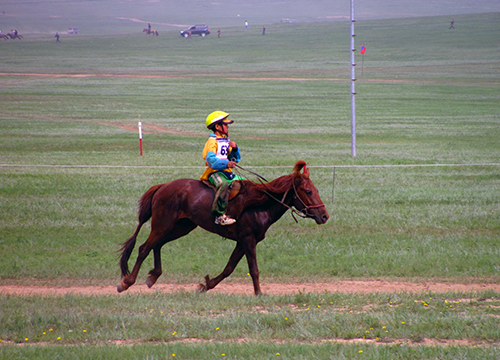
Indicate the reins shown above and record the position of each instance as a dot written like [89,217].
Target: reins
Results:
[251,172]
[301,213]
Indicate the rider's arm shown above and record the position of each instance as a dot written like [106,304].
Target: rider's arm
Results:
[214,162]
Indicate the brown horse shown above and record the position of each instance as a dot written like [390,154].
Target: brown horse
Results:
[149,32]
[178,207]
[5,37]
[13,36]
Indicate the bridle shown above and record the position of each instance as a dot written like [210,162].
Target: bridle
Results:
[304,213]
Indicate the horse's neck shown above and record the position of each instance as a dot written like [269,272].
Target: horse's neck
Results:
[270,197]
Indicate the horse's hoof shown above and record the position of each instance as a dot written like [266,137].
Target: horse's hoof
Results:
[202,288]
[121,288]
[150,282]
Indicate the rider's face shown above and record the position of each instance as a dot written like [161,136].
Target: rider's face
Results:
[222,128]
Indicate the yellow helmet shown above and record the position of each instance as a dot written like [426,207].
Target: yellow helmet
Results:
[217,116]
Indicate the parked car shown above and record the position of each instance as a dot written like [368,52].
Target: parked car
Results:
[73,31]
[201,30]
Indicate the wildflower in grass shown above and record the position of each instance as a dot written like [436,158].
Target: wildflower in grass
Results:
[173,355]
[84,330]
[217,329]
[277,354]
[59,338]
[175,332]
[360,351]
[26,339]
[51,329]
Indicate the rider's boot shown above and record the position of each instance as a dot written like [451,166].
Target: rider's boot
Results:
[224,220]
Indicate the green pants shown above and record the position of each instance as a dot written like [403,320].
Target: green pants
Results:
[221,182]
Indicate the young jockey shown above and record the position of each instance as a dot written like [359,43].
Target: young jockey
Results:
[220,155]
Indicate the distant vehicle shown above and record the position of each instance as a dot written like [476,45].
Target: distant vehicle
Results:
[73,31]
[201,30]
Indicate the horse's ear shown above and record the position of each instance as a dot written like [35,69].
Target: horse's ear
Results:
[301,165]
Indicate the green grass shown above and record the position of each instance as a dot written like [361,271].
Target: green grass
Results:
[427,96]
[250,350]
[271,324]
[385,223]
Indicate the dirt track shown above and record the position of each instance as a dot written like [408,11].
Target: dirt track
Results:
[268,288]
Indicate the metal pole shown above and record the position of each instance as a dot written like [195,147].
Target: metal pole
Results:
[353,92]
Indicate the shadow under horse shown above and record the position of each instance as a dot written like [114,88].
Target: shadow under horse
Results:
[178,207]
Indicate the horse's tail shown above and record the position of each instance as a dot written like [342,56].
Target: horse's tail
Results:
[145,213]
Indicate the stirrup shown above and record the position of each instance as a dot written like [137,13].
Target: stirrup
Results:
[224,220]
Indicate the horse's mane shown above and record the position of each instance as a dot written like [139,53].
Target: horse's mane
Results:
[257,194]
[284,183]
[278,185]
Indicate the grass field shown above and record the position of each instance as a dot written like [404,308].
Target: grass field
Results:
[71,175]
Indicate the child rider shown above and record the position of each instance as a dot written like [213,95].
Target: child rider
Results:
[220,155]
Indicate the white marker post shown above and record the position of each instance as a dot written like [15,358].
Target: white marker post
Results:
[353,91]
[140,136]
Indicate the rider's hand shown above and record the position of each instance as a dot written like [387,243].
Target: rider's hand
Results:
[231,164]
[233,144]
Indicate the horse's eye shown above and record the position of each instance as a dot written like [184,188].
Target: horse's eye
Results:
[308,192]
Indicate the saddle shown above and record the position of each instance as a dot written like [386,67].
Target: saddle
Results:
[234,188]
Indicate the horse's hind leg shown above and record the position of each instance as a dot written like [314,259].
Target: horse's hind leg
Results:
[181,228]
[235,258]
[144,250]
[157,271]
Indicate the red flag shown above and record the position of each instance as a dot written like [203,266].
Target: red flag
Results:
[362,49]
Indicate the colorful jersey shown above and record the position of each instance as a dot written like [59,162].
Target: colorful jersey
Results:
[217,153]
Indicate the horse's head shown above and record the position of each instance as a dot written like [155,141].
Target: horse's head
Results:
[306,198]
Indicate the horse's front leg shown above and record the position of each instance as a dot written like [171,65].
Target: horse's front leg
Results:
[235,258]
[251,254]
[157,271]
